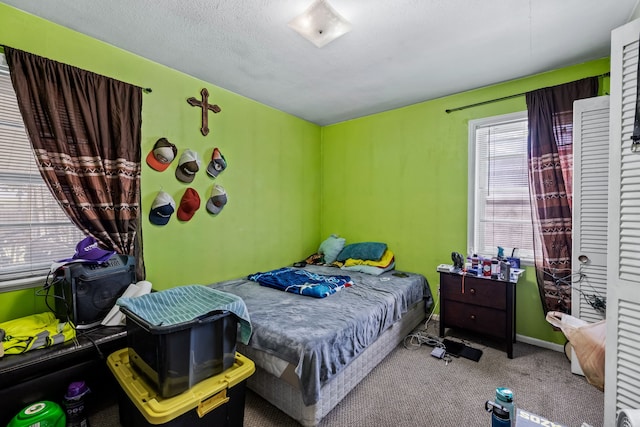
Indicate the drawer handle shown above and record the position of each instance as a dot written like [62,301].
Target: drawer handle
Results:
[472,317]
[473,291]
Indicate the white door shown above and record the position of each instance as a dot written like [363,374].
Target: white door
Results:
[622,365]
[590,193]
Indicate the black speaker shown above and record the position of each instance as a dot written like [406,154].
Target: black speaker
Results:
[85,292]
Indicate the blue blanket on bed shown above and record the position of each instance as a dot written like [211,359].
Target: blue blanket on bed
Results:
[302,282]
[321,336]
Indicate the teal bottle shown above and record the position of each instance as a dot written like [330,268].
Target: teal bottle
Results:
[504,397]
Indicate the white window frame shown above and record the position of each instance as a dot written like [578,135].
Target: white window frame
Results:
[31,273]
[473,221]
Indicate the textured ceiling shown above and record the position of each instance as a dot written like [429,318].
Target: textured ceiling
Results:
[398,53]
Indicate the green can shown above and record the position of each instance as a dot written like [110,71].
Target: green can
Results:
[42,414]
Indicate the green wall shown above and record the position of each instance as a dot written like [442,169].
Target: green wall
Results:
[398,177]
[272,179]
[401,177]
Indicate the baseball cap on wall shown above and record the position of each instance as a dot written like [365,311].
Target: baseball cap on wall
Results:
[217,200]
[188,166]
[189,204]
[162,154]
[162,208]
[217,164]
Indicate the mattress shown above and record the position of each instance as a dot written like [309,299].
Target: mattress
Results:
[304,347]
[287,397]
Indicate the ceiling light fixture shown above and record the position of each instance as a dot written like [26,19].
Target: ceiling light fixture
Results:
[320,24]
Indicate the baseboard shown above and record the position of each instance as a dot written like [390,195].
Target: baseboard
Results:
[540,343]
[523,338]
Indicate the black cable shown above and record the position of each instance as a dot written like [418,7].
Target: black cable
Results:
[95,344]
[46,288]
[595,300]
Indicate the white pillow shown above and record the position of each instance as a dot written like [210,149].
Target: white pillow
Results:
[331,247]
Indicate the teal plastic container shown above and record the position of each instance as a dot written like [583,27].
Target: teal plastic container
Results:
[43,414]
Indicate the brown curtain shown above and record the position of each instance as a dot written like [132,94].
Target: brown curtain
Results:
[85,132]
[550,112]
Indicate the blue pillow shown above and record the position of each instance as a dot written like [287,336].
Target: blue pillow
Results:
[331,247]
[372,251]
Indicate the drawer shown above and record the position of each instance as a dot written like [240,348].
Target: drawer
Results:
[483,292]
[475,318]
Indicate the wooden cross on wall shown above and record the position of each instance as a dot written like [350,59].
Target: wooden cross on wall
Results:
[204,104]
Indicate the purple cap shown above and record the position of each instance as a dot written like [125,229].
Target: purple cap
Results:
[76,390]
[87,250]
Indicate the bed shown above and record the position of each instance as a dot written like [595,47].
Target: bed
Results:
[310,352]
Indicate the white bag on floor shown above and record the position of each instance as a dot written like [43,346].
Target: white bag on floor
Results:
[587,340]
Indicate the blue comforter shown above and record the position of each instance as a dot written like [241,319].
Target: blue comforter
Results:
[302,282]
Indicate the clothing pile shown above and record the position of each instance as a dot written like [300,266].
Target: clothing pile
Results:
[368,257]
[302,282]
[33,332]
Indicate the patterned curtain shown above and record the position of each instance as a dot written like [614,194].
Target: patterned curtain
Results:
[85,132]
[550,112]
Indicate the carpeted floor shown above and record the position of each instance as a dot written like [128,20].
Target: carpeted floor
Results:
[412,388]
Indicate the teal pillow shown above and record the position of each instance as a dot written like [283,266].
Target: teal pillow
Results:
[371,251]
[331,247]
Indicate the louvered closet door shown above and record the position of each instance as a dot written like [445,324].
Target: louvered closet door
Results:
[590,193]
[622,373]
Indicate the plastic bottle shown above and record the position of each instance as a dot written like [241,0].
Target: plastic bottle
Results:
[486,267]
[504,397]
[495,268]
[74,405]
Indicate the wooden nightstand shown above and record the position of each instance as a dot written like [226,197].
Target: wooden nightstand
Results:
[478,304]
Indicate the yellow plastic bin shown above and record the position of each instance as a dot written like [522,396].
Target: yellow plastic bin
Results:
[217,400]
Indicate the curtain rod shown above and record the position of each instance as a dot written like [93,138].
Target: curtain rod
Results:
[477,104]
[5,68]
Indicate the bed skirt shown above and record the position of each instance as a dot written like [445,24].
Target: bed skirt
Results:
[288,398]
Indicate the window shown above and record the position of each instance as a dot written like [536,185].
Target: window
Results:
[499,204]
[34,230]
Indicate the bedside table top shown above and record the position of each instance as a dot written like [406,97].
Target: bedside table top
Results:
[515,274]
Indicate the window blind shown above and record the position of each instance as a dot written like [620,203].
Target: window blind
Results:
[500,188]
[34,230]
